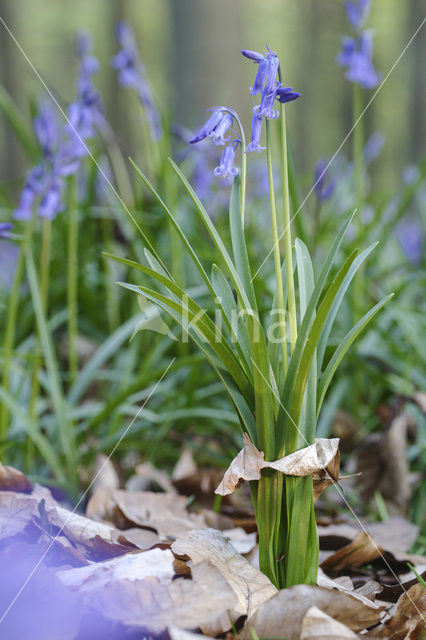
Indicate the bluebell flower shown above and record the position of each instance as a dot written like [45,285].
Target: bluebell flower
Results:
[286,94]
[5,227]
[46,128]
[51,203]
[226,167]
[322,186]
[356,55]
[411,238]
[131,73]
[216,126]
[357,12]
[373,147]
[256,130]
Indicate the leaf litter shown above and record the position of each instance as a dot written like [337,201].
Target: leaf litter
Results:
[143,563]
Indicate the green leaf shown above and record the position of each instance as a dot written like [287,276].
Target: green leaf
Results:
[239,246]
[343,347]
[322,344]
[232,272]
[18,125]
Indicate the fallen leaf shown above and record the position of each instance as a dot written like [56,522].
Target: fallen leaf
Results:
[317,625]
[156,564]
[250,586]
[185,466]
[97,537]
[241,541]
[360,551]
[409,619]
[180,634]
[249,462]
[105,475]
[164,512]
[13,480]
[16,513]
[282,615]
[365,594]
[148,478]
[150,605]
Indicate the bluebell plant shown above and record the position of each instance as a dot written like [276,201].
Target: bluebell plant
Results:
[274,372]
[132,74]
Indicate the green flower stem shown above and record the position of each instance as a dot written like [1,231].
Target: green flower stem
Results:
[287,233]
[359,174]
[277,256]
[111,291]
[46,243]
[9,338]
[72,293]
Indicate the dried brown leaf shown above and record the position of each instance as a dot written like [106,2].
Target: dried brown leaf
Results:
[16,513]
[156,564]
[148,478]
[152,605]
[282,615]
[164,512]
[95,536]
[250,586]
[317,625]
[409,619]
[249,462]
[13,480]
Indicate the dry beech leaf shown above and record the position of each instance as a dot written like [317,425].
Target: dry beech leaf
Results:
[147,477]
[250,461]
[185,466]
[149,605]
[16,512]
[95,536]
[250,586]
[164,512]
[365,594]
[409,619]
[241,541]
[180,634]
[360,551]
[155,564]
[317,625]
[105,475]
[282,615]
[13,480]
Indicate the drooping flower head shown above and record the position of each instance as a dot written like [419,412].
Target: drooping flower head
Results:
[410,235]
[131,73]
[357,12]
[226,167]
[356,57]
[270,89]
[216,127]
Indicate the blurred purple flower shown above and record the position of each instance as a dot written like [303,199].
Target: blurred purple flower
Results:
[411,238]
[323,188]
[356,56]
[5,227]
[131,73]
[46,128]
[357,12]
[373,147]
[226,168]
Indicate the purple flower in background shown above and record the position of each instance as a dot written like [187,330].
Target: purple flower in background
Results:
[131,73]
[256,130]
[373,147]
[5,227]
[86,113]
[323,188]
[46,128]
[226,167]
[356,56]
[357,12]
[411,238]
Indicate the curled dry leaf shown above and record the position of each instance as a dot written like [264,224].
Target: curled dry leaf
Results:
[365,594]
[16,513]
[155,564]
[409,619]
[314,459]
[13,480]
[94,536]
[166,513]
[148,478]
[317,625]
[105,475]
[282,615]
[241,541]
[250,586]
